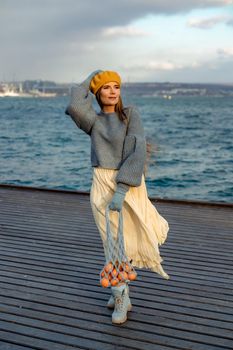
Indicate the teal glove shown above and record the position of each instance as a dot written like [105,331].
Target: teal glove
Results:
[118,197]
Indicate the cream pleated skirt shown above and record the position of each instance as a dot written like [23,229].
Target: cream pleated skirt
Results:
[144,228]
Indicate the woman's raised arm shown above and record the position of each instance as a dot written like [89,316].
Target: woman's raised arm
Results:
[80,107]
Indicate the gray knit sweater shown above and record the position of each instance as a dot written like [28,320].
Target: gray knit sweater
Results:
[114,145]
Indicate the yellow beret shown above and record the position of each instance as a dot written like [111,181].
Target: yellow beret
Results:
[103,78]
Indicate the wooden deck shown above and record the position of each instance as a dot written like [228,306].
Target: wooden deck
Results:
[50,296]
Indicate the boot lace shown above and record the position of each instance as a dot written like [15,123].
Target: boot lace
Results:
[119,303]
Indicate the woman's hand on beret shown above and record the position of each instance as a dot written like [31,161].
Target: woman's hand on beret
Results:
[87,81]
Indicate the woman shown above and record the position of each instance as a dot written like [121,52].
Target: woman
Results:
[118,158]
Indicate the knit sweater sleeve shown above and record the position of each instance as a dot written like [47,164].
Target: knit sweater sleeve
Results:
[134,153]
[80,107]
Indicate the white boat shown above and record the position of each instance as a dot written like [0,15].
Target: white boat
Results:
[9,93]
[168,97]
[33,93]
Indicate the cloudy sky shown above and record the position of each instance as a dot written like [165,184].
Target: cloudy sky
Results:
[144,40]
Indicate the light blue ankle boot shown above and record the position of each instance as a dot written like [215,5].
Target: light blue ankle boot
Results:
[111,302]
[122,303]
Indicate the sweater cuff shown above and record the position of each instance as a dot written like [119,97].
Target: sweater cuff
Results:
[121,187]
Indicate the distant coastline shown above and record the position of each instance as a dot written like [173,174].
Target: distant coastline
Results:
[43,88]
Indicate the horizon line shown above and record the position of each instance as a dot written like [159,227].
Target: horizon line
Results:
[123,82]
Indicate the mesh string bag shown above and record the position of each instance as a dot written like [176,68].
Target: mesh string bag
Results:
[117,267]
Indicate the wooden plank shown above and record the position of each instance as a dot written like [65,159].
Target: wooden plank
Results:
[29,339]
[40,242]
[134,338]
[36,282]
[66,261]
[56,248]
[8,345]
[164,317]
[57,276]
[145,305]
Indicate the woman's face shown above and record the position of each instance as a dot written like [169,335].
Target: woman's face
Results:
[110,93]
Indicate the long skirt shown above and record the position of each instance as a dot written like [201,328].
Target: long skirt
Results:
[144,229]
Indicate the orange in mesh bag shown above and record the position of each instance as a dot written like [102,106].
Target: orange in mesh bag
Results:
[117,267]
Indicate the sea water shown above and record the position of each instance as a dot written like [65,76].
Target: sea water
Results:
[191,139]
